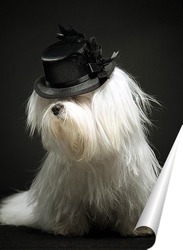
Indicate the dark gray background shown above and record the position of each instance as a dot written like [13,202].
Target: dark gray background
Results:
[149,35]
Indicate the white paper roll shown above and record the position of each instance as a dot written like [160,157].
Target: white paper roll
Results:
[166,197]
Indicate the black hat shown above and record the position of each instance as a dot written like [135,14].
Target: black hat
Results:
[73,66]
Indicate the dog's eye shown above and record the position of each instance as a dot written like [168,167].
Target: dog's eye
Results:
[74,98]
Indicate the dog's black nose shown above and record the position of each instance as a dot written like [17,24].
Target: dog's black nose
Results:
[57,108]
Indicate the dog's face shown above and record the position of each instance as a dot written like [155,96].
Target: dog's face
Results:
[89,125]
[73,125]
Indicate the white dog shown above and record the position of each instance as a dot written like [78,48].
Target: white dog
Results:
[99,168]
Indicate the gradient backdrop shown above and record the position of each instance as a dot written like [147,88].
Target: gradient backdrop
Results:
[149,36]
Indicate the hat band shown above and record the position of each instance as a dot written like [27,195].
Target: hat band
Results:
[67,84]
[103,75]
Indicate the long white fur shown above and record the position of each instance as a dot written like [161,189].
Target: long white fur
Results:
[99,166]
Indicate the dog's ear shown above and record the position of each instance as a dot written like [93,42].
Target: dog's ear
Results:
[34,110]
[32,113]
[120,108]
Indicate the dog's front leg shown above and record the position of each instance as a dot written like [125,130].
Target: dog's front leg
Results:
[76,226]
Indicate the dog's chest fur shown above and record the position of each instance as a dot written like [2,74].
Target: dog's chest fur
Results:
[92,187]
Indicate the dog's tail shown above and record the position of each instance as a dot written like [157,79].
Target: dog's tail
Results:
[17,210]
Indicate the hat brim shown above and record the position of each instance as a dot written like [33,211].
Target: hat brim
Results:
[87,86]
[52,93]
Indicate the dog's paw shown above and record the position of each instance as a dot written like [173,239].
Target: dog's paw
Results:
[71,230]
[130,232]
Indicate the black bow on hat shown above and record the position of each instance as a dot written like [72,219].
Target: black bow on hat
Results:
[73,66]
